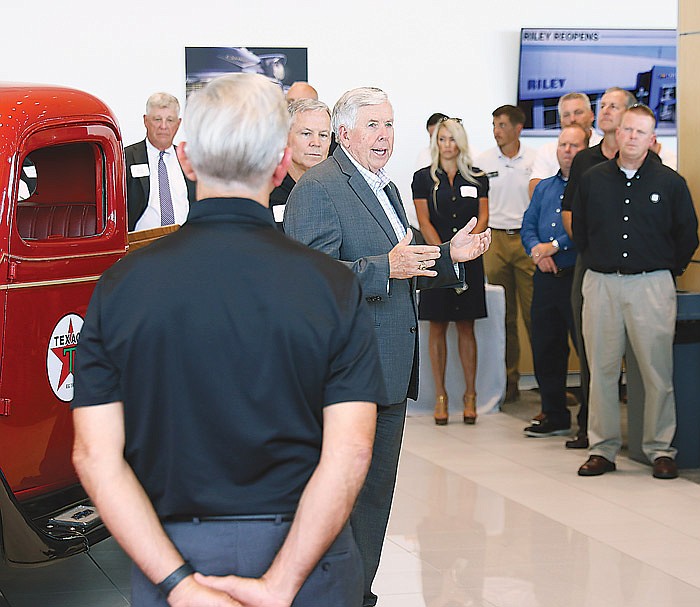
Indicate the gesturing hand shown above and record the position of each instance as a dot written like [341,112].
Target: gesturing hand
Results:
[466,246]
[407,260]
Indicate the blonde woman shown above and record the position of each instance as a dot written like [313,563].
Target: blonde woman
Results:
[447,194]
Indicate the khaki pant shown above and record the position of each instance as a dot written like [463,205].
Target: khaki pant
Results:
[641,307]
[507,264]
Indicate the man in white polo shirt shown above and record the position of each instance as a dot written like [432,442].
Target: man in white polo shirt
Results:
[508,167]
[573,108]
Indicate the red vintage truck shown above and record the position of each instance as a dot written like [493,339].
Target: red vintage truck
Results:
[62,223]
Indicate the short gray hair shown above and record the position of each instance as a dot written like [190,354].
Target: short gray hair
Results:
[573,97]
[237,128]
[630,99]
[346,108]
[307,105]
[159,101]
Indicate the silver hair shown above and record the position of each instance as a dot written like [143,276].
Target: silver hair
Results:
[307,105]
[346,108]
[237,128]
[573,96]
[630,99]
[158,101]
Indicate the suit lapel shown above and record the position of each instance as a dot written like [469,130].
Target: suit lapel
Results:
[358,184]
[141,157]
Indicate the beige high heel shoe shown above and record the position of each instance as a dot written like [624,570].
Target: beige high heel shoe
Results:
[441,413]
[469,409]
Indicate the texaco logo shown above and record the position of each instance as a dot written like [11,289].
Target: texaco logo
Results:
[60,355]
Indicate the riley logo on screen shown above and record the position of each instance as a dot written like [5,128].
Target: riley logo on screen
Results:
[60,355]
[546,84]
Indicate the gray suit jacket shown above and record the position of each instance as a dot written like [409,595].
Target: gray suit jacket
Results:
[332,209]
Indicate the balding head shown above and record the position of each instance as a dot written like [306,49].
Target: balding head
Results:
[301,90]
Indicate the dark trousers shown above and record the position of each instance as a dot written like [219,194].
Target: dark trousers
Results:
[370,516]
[552,323]
[247,548]
[577,306]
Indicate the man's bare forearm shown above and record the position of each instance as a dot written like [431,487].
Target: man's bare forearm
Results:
[328,497]
[125,507]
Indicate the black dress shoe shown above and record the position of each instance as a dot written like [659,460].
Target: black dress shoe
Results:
[580,442]
[596,465]
[665,467]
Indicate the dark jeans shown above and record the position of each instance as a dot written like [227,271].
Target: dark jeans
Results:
[370,516]
[552,322]
[247,548]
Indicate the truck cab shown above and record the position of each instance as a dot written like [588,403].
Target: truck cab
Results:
[62,223]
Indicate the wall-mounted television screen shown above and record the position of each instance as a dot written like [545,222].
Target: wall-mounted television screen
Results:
[554,62]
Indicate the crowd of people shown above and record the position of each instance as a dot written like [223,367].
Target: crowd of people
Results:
[256,465]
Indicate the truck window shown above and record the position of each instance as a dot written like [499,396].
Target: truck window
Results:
[69,197]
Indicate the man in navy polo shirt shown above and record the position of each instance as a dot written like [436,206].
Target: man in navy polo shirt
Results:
[225,425]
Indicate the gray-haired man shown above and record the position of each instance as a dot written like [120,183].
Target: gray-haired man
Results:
[348,207]
[223,426]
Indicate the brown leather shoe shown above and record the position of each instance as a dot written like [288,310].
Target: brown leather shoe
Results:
[665,467]
[596,465]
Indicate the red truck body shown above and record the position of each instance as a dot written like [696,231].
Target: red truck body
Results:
[62,223]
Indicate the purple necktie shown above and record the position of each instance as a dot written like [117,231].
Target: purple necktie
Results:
[167,214]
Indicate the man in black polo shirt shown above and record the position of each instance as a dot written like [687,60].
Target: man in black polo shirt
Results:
[239,394]
[634,223]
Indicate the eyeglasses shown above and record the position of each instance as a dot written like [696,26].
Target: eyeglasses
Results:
[457,120]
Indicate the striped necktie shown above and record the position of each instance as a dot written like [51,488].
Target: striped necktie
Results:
[167,213]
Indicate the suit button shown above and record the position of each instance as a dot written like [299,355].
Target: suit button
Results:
[413,329]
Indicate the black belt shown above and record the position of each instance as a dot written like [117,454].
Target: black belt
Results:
[509,231]
[626,271]
[218,518]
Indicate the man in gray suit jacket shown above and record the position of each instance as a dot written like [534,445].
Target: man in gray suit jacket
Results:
[348,208]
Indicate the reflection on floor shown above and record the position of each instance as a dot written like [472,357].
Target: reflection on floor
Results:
[484,517]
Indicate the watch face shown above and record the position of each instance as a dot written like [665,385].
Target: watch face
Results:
[555,243]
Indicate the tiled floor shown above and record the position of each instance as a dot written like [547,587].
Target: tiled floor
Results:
[484,517]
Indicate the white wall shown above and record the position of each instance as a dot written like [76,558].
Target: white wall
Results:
[457,56]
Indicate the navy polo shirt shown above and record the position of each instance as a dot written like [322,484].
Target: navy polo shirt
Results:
[225,341]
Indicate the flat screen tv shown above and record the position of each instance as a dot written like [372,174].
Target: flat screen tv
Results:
[555,61]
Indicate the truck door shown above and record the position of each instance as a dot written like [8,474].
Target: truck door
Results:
[62,237]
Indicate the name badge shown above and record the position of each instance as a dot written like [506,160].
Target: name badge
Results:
[467,191]
[140,170]
[278,212]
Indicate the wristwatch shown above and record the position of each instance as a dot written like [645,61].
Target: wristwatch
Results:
[555,243]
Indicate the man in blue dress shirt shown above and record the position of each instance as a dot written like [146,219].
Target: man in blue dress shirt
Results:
[551,250]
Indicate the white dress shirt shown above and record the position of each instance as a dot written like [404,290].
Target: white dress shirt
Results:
[178,189]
